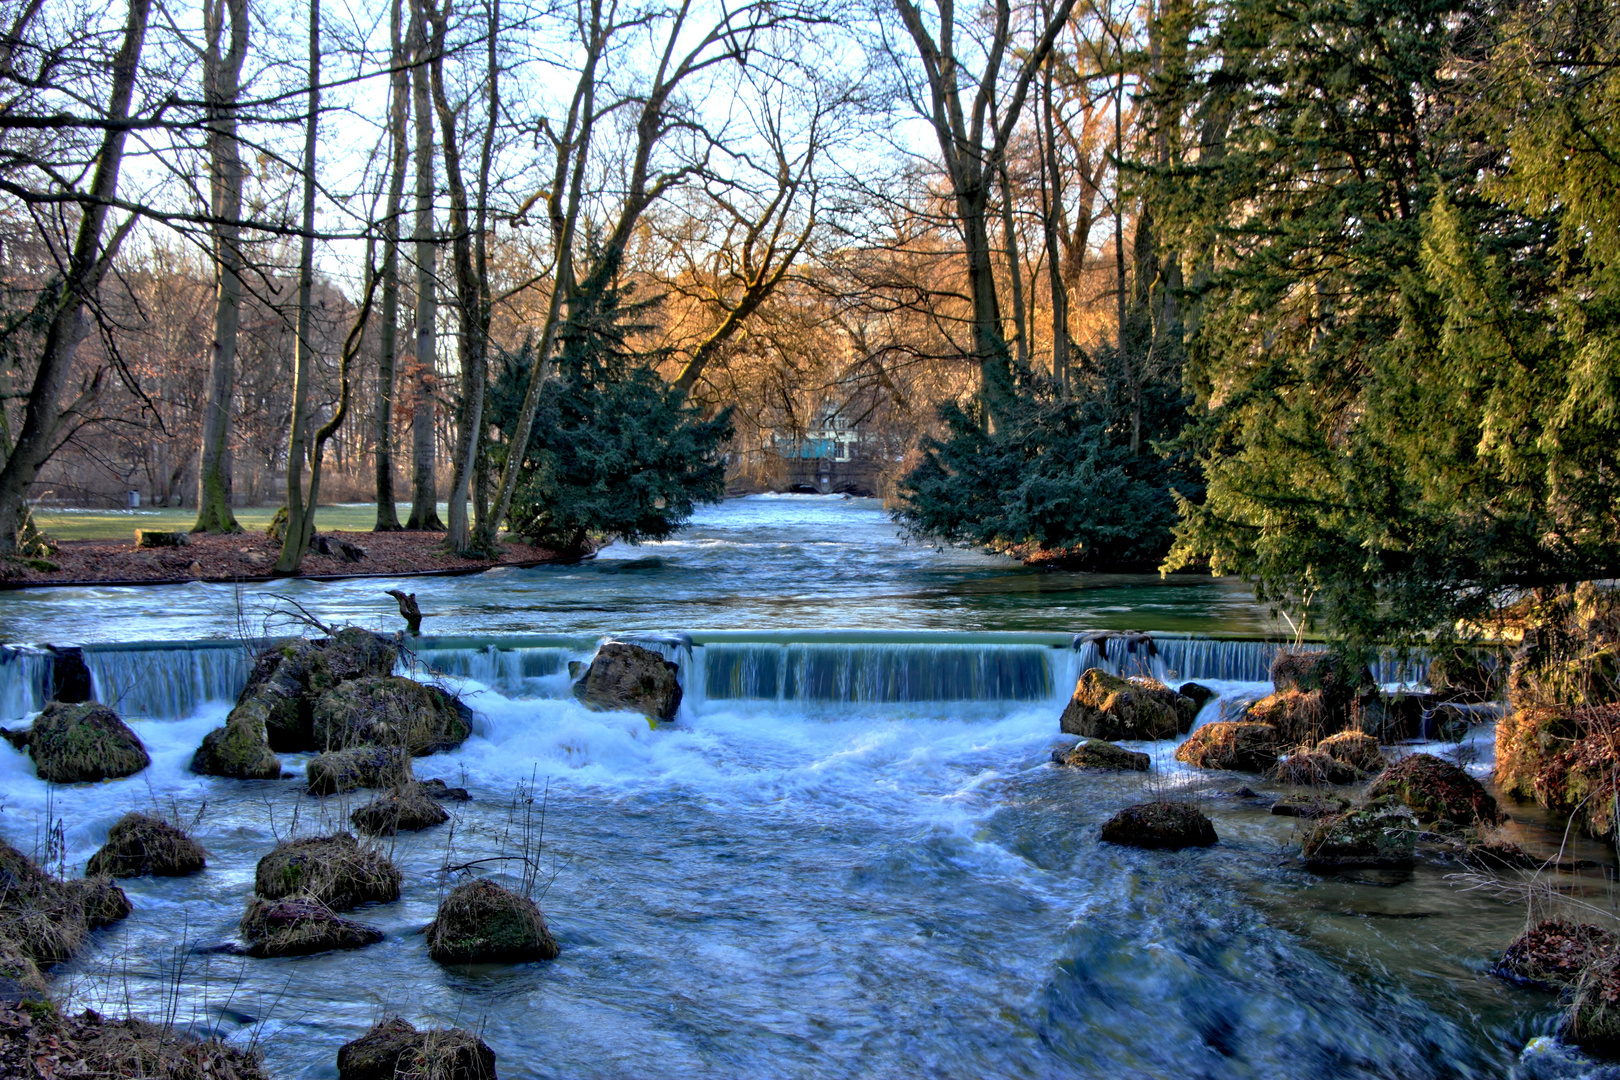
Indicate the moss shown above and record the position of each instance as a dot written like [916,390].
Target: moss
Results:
[395,1050]
[1170,825]
[359,767]
[40,915]
[1300,716]
[1100,754]
[1355,749]
[334,870]
[1592,1020]
[481,922]
[1436,790]
[1379,834]
[1312,768]
[103,902]
[1552,954]
[409,810]
[1105,706]
[300,927]
[139,845]
[1326,671]
[73,744]
[1236,745]
[238,750]
[389,711]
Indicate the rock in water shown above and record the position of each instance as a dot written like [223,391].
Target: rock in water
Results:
[408,810]
[1437,790]
[1169,825]
[1460,675]
[1315,807]
[73,744]
[1551,955]
[20,978]
[1301,716]
[1593,1019]
[239,750]
[336,871]
[394,1050]
[389,711]
[103,902]
[1312,768]
[139,845]
[1100,754]
[1235,745]
[361,767]
[1356,749]
[482,923]
[300,927]
[1197,693]
[1326,671]
[1105,706]
[287,679]
[1383,834]
[629,677]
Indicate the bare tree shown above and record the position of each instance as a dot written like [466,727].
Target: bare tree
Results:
[424,489]
[388,333]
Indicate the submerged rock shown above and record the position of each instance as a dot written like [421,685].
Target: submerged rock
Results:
[1437,790]
[1105,706]
[482,923]
[1237,745]
[629,677]
[337,871]
[394,1050]
[73,744]
[1100,754]
[139,845]
[390,711]
[409,810]
[300,927]
[1382,834]
[359,767]
[1356,749]
[1551,955]
[239,750]
[1169,825]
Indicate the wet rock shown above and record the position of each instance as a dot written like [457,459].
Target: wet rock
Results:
[1356,749]
[629,677]
[406,810]
[239,750]
[438,789]
[1313,807]
[1323,670]
[288,678]
[337,871]
[73,744]
[482,923]
[394,1050]
[1237,745]
[360,767]
[1312,768]
[70,675]
[1437,790]
[1100,754]
[1105,706]
[1197,693]
[102,902]
[1500,854]
[140,845]
[1592,1021]
[300,927]
[1380,834]
[1393,718]
[1551,955]
[1169,825]
[1462,675]
[20,977]
[1301,716]
[389,711]
[1450,723]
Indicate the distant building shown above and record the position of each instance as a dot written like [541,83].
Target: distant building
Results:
[834,454]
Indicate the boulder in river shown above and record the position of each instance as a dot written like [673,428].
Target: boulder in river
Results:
[389,710]
[1394,718]
[335,870]
[1197,693]
[629,677]
[1324,670]
[1163,824]
[1313,768]
[1379,834]
[395,1050]
[1231,744]
[140,845]
[1101,754]
[1593,1019]
[239,750]
[289,677]
[1301,716]
[102,902]
[1552,954]
[1356,749]
[47,919]
[1437,791]
[298,926]
[358,767]
[73,744]
[1105,706]
[481,922]
[410,809]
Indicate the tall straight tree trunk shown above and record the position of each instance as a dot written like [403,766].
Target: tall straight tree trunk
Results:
[388,334]
[86,266]
[483,531]
[1052,213]
[1015,272]
[424,489]
[222,75]
[301,518]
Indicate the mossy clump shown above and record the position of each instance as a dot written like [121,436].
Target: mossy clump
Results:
[1356,749]
[1167,825]
[1101,754]
[39,914]
[1300,716]
[1379,834]
[390,711]
[1105,706]
[1552,954]
[1312,768]
[1326,671]
[1592,1020]
[300,927]
[1437,791]
[1238,745]
[102,902]
[481,922]
[358,767]
[238,750]
[408,810]
[395,1050]
[141,845]
[337,871]
[73,744]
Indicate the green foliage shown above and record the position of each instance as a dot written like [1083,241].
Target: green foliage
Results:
[614,451]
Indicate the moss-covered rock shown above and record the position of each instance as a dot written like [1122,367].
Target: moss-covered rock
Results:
[359,767]
[1436,790]
[300,927]
[1301,716]
[1171,825]
[1592,1020]
[337,871]
[390,711]
[239,750]
[1312,768]
[102,902]
[1105,706]
[629,677]
[1237,745]
[482,923]
[1101,754]
[394,1050]
[140,845]
[1551,955]
[1325,670]
[289,677]
[408,810]
[1356,749]
[73,744]
[39,914]
[1379,834]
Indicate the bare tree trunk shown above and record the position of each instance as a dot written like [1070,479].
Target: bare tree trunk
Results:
[301,518]
[1051,214]
[222,76]
[483,529]
[388,333]
[87,265]
[1015,272]
[424,489]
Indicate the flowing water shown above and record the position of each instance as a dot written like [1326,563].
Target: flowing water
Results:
[849,856]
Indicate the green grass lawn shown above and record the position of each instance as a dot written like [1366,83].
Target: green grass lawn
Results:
[121,524]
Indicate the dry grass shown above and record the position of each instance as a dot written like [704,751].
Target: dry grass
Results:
[408,809]
[300,927]
[395,1050]
[40,1044]
[360,767]
[337,871]
[142,844]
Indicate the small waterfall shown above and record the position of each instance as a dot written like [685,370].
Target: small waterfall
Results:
[166,682]
[512,666]
[25,680]
[873,673]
